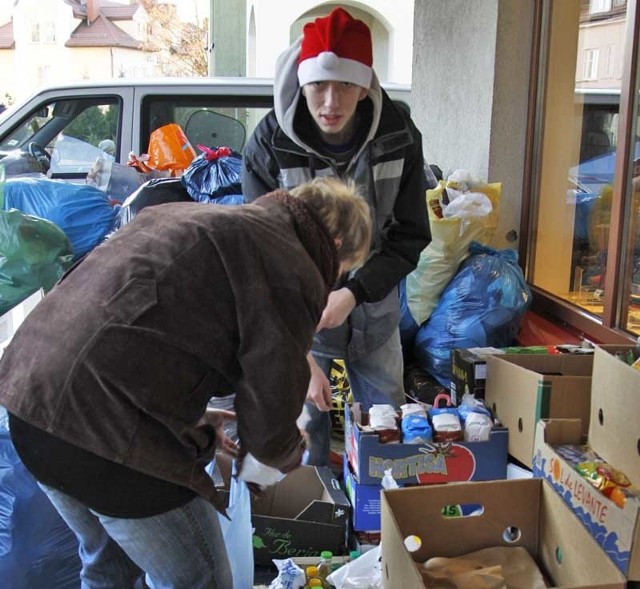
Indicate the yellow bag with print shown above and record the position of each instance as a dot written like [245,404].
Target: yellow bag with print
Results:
[450,239]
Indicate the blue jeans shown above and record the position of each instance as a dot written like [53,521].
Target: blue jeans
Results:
[179,549]
[374,379]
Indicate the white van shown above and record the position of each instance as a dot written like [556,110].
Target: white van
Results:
[64,128]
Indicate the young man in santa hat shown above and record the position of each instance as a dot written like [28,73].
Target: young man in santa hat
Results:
[332,118]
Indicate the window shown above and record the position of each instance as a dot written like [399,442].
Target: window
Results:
[590,71]
[70,131]
[48,32]
[44,74]
[43,31]
[206,120]
[35,32]
[596,6]
[610,62]
[584,252]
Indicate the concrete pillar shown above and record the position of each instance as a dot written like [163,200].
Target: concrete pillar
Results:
[470,93]
[227,33]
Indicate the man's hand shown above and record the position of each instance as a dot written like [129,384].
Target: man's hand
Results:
[319,391]
[217,418]
[341,302]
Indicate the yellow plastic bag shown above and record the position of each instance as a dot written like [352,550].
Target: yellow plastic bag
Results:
[170,149]
[449,247]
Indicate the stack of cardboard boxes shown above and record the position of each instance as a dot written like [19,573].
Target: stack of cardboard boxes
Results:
[578,536]
[366,460]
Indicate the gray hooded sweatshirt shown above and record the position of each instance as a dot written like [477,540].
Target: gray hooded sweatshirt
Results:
[387,165]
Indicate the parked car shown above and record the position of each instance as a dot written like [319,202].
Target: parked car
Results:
[61,127]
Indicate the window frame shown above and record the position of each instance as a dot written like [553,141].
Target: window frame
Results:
[611,327]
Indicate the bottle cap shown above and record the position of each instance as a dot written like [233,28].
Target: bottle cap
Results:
[312,571]
[326,554]
[354,554]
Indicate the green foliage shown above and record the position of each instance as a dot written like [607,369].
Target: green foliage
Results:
[95,124]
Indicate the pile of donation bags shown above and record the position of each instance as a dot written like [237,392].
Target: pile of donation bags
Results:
[463,293]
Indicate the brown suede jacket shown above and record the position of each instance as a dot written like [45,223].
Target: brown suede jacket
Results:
[188,300]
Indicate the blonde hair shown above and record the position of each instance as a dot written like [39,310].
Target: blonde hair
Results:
[344,213]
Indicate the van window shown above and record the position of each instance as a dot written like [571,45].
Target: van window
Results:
[63,137]
[213,121]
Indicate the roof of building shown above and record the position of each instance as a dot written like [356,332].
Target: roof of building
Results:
[112,10]
[101,33]
[6,36]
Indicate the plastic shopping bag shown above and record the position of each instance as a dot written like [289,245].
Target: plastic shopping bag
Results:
[37,548]
[482,306]
[170,149]
[365,572]
[470,219]
[213,174]
[34,254]
[238,532]
[83,212]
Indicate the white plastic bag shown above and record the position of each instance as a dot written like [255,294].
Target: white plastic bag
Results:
[365,572]
[290,575]
[238,533]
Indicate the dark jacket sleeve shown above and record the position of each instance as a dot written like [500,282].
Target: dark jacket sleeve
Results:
[258,178]
[404,236]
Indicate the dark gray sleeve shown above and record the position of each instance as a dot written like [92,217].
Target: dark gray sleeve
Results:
[254,184]
[259,170]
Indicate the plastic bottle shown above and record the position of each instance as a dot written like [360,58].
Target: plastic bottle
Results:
[325,567]
[311,572]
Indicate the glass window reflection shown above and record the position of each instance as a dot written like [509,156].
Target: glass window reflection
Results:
[579,136]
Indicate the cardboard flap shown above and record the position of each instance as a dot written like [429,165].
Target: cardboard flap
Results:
[317,511]
[567,551]
[615,405]
[559,431]
[553,364]
[292,495]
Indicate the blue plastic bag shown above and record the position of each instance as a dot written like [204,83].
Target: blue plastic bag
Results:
[37,548]
[408,325]
[213,174]
[482,306]
[83,212]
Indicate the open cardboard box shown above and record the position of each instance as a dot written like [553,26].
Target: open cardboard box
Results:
[615,437]
[421,463]
[302,515]
[528,510]
[521,389]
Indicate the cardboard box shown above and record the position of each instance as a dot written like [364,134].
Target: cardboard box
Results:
[12,319]
[614,528]
[613,435]
[365,501]
[422,463]
[522,389]
[302,515]
[469,367]
[469,371]
[528,509]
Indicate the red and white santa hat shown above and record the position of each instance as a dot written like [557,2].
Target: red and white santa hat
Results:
[337,48]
